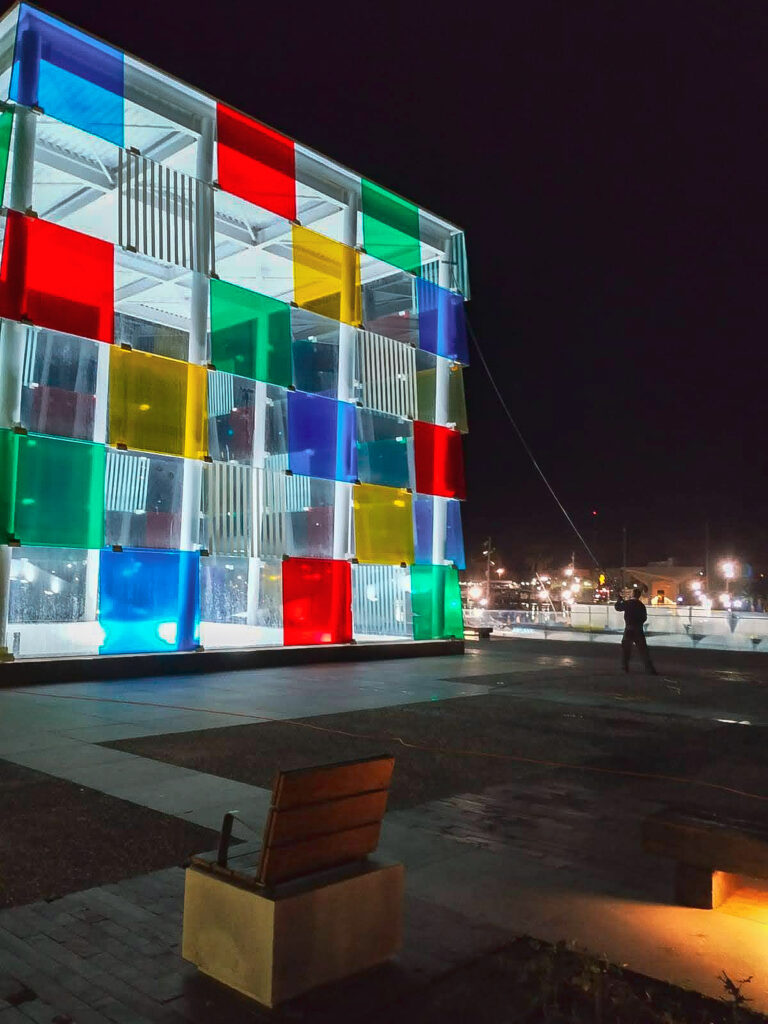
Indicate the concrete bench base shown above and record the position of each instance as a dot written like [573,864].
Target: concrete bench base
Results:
[273,946]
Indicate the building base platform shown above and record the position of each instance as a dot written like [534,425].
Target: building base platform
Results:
[28,671]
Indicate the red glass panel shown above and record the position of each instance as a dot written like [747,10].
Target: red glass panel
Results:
[317,601]
[58,278]
[256,163]
[439,460]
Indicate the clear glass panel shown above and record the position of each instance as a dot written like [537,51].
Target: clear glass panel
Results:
[436,602]
[232,407]
[326,276]
[390,304]
[439,458]
[317,601]
[383,525]
[250,334]
[296,516]
[253,247]
[391,228]
[427,366]
[381,603]
[241,602]
[276,437]
[158,339]
[321,436]
[8,24]
[255,162]
[143,499]
[315,353]
[442,322]
[53,603]
[51,491]
[149,601]
[327,197]
[228,506]
[59,381]
[165,119]
[70,75]
[157,404]
[57,278]
[384,449]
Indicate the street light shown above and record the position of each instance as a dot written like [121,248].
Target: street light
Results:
[500,572]
[728,569]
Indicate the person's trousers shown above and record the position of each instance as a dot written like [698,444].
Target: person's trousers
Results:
[636,637]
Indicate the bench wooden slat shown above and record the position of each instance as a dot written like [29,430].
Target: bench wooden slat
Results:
[282,863]
[305,786]
[305,822]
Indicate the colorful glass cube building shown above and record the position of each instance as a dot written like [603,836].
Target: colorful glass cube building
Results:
[231,394]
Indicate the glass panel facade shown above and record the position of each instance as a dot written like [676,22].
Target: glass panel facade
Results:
[317,601]
[439,458]
[381,603]
[227,363]
[250,334]
[384,449]
[383,525]
[391,228]
[70,75]
[143,500]
[321,434]
[436,602]
[256,162]
[296,516]
[59,382]
[149,601]
[423,521]
[442,322]
[241,602]
[326,276]
[157,404]
[57,278]
[51,491]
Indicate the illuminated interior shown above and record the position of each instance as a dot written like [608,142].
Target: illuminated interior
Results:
[231,374]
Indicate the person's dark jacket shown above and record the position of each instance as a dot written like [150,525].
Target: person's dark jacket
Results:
[634,612]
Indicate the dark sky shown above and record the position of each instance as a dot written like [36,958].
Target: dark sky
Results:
[608,163]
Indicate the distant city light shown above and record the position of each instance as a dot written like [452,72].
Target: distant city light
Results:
[728,569]
[475,592]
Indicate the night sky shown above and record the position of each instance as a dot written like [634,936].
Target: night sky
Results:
[607,161]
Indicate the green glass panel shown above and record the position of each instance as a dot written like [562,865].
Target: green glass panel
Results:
[51,491]
[390,228]
[6,123]
[436,602]
[250,334]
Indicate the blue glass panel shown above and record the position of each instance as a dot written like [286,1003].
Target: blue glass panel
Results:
[321,437]
[454,538]
[422,522]
[442,322]
[384,449]
[149,601]
[71,76]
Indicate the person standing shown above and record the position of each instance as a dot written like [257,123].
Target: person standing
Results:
[635,615]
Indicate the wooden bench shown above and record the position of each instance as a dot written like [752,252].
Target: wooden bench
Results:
[713,855]
[308,906]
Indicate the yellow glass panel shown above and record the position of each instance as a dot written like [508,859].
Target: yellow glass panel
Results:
[383,525]
[157,404]
[326,276]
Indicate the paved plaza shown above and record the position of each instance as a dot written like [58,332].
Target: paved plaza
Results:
[525,770]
